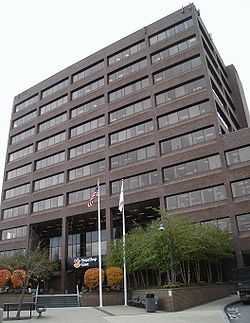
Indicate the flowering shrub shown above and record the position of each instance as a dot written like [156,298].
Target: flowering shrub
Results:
[114,276]
[91,278]
[5,276]
[18,278]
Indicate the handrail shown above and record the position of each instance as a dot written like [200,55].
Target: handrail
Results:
[78,295]
[37,289]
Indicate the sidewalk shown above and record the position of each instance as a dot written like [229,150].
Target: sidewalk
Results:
[209,313]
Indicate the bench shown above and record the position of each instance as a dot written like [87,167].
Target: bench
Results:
[140,301]
[26,306]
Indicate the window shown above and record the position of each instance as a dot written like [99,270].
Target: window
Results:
[223,224]
[188,140]
[50,161]
[88,107]
[52,122]
[199,197]
[173,50]
[84,195]
[87,126]
[11,253]
[27,103]
[131,132]
[238,155]
[23,135]
[53,105]
[88,71]
[87,170]
[51,203]
[21,153]
[126,53]
[133,156]
[74,245]
[180,91]
[92,243]
[14,233]
[21,171]
[25,119]
[17,191]
[243,222]
[16,211]
[178,69]
[241,188]
[55,250]
[136,182]
[87,147]
[48,182]
[89,88]
[126,71]
[192,168]
[51,141]
[184,114]
[130,110]
[171,31]
[55,88]
[128,89]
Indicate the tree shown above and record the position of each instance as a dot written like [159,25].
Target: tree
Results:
[5,276]
[114,276]
[35,264]
[91,278]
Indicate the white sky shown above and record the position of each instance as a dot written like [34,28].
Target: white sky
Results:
[38,38]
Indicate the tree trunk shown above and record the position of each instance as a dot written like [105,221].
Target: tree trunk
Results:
[188,273]
[21,298]
[183,272]
[197,271]
[209,273]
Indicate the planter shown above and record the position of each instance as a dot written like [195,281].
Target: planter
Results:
[178,299]
[109,298]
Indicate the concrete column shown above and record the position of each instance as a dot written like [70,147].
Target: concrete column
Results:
[64,252]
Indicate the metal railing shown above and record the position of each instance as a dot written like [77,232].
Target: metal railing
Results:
[78,295]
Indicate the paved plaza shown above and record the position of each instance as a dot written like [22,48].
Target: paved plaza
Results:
[209,313]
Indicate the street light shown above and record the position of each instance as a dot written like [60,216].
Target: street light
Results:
[161,227]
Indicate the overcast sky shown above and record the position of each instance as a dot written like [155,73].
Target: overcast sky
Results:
[40,37]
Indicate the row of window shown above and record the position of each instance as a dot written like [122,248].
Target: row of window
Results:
[23,135]
[51,123]
[180,91]
[55,88]
[118,57]
[128,89]
[20,171]
[50,160]
[48,182]
[176,70]
[198,197]
[17,191]
[173,50]
[16,211]
[51,141]
[53,105]
[11,253]
[184,114]
[171,31]
[191,168]
[50,203]
[131,132]
[241,188]
[222,224]
[21,153]
[84,194]
[88,107]
[188,140]
[25,119]
[87,126]
[125,71]
[86,89]
[88,71]
[14,233]
[87,170]
[239,155]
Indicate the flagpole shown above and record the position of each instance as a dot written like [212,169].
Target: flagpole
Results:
[124,250]
[99,244]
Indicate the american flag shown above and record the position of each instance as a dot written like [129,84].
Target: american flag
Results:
[92,197]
